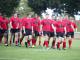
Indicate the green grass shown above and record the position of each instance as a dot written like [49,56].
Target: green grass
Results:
[22,53]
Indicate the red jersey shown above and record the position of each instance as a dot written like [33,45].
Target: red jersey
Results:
[27,22]
[4,23]
[36,24]
[74,26]
[21,23]
[54,24]
[15,22]
[0,20]
[46,25]
[60,26]
[68,25]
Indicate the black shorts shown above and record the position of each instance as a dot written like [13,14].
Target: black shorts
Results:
[60,34]
[46,33]
[15,30]
[36,33]
[28,32]
[52,34]
[0,31]
[5,31]
[70,34]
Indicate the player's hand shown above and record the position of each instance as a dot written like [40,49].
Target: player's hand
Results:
[65,33]
[17,27]
[32,32]
[55,33]
[42,33]
[1,28]
[24,32]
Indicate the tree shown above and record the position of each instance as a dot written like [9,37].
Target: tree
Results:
[71,6]
[7,7]
[40,5]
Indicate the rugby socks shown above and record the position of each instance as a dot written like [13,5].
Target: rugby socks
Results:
[10,41]
[70,43]
[58,45]
[0,40]
[53,44]
[33,41]
[26,44]
[64,44]
[21,39]
[46,44]
[16,42]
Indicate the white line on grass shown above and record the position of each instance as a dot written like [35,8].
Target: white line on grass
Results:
[14,59]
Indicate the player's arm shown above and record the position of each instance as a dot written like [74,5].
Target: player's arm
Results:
[32,30]
[65,30]
[24,29]
[76,29]
[54,28]
[72,27]
[41,30]
[11,23]
[75,26]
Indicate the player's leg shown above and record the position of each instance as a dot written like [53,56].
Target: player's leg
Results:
[70,39]
[1,36]
[30,40]
[26,41]
[58,40]
[16,38]
[50,42]
[47,38]
[6,37]
[37,38]
[12,36]
[33,41]
[21,36]
[64,42]
[43,39]
[54,42]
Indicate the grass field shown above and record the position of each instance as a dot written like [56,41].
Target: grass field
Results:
[22,53]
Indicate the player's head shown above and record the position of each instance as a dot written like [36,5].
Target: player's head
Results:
[53,17]
[60,18]
[15,15]
[72,19]
[66,17]
[47,16]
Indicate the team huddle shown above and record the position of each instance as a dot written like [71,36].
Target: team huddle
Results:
[35,31]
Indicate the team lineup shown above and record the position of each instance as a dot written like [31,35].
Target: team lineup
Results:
[35,31]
